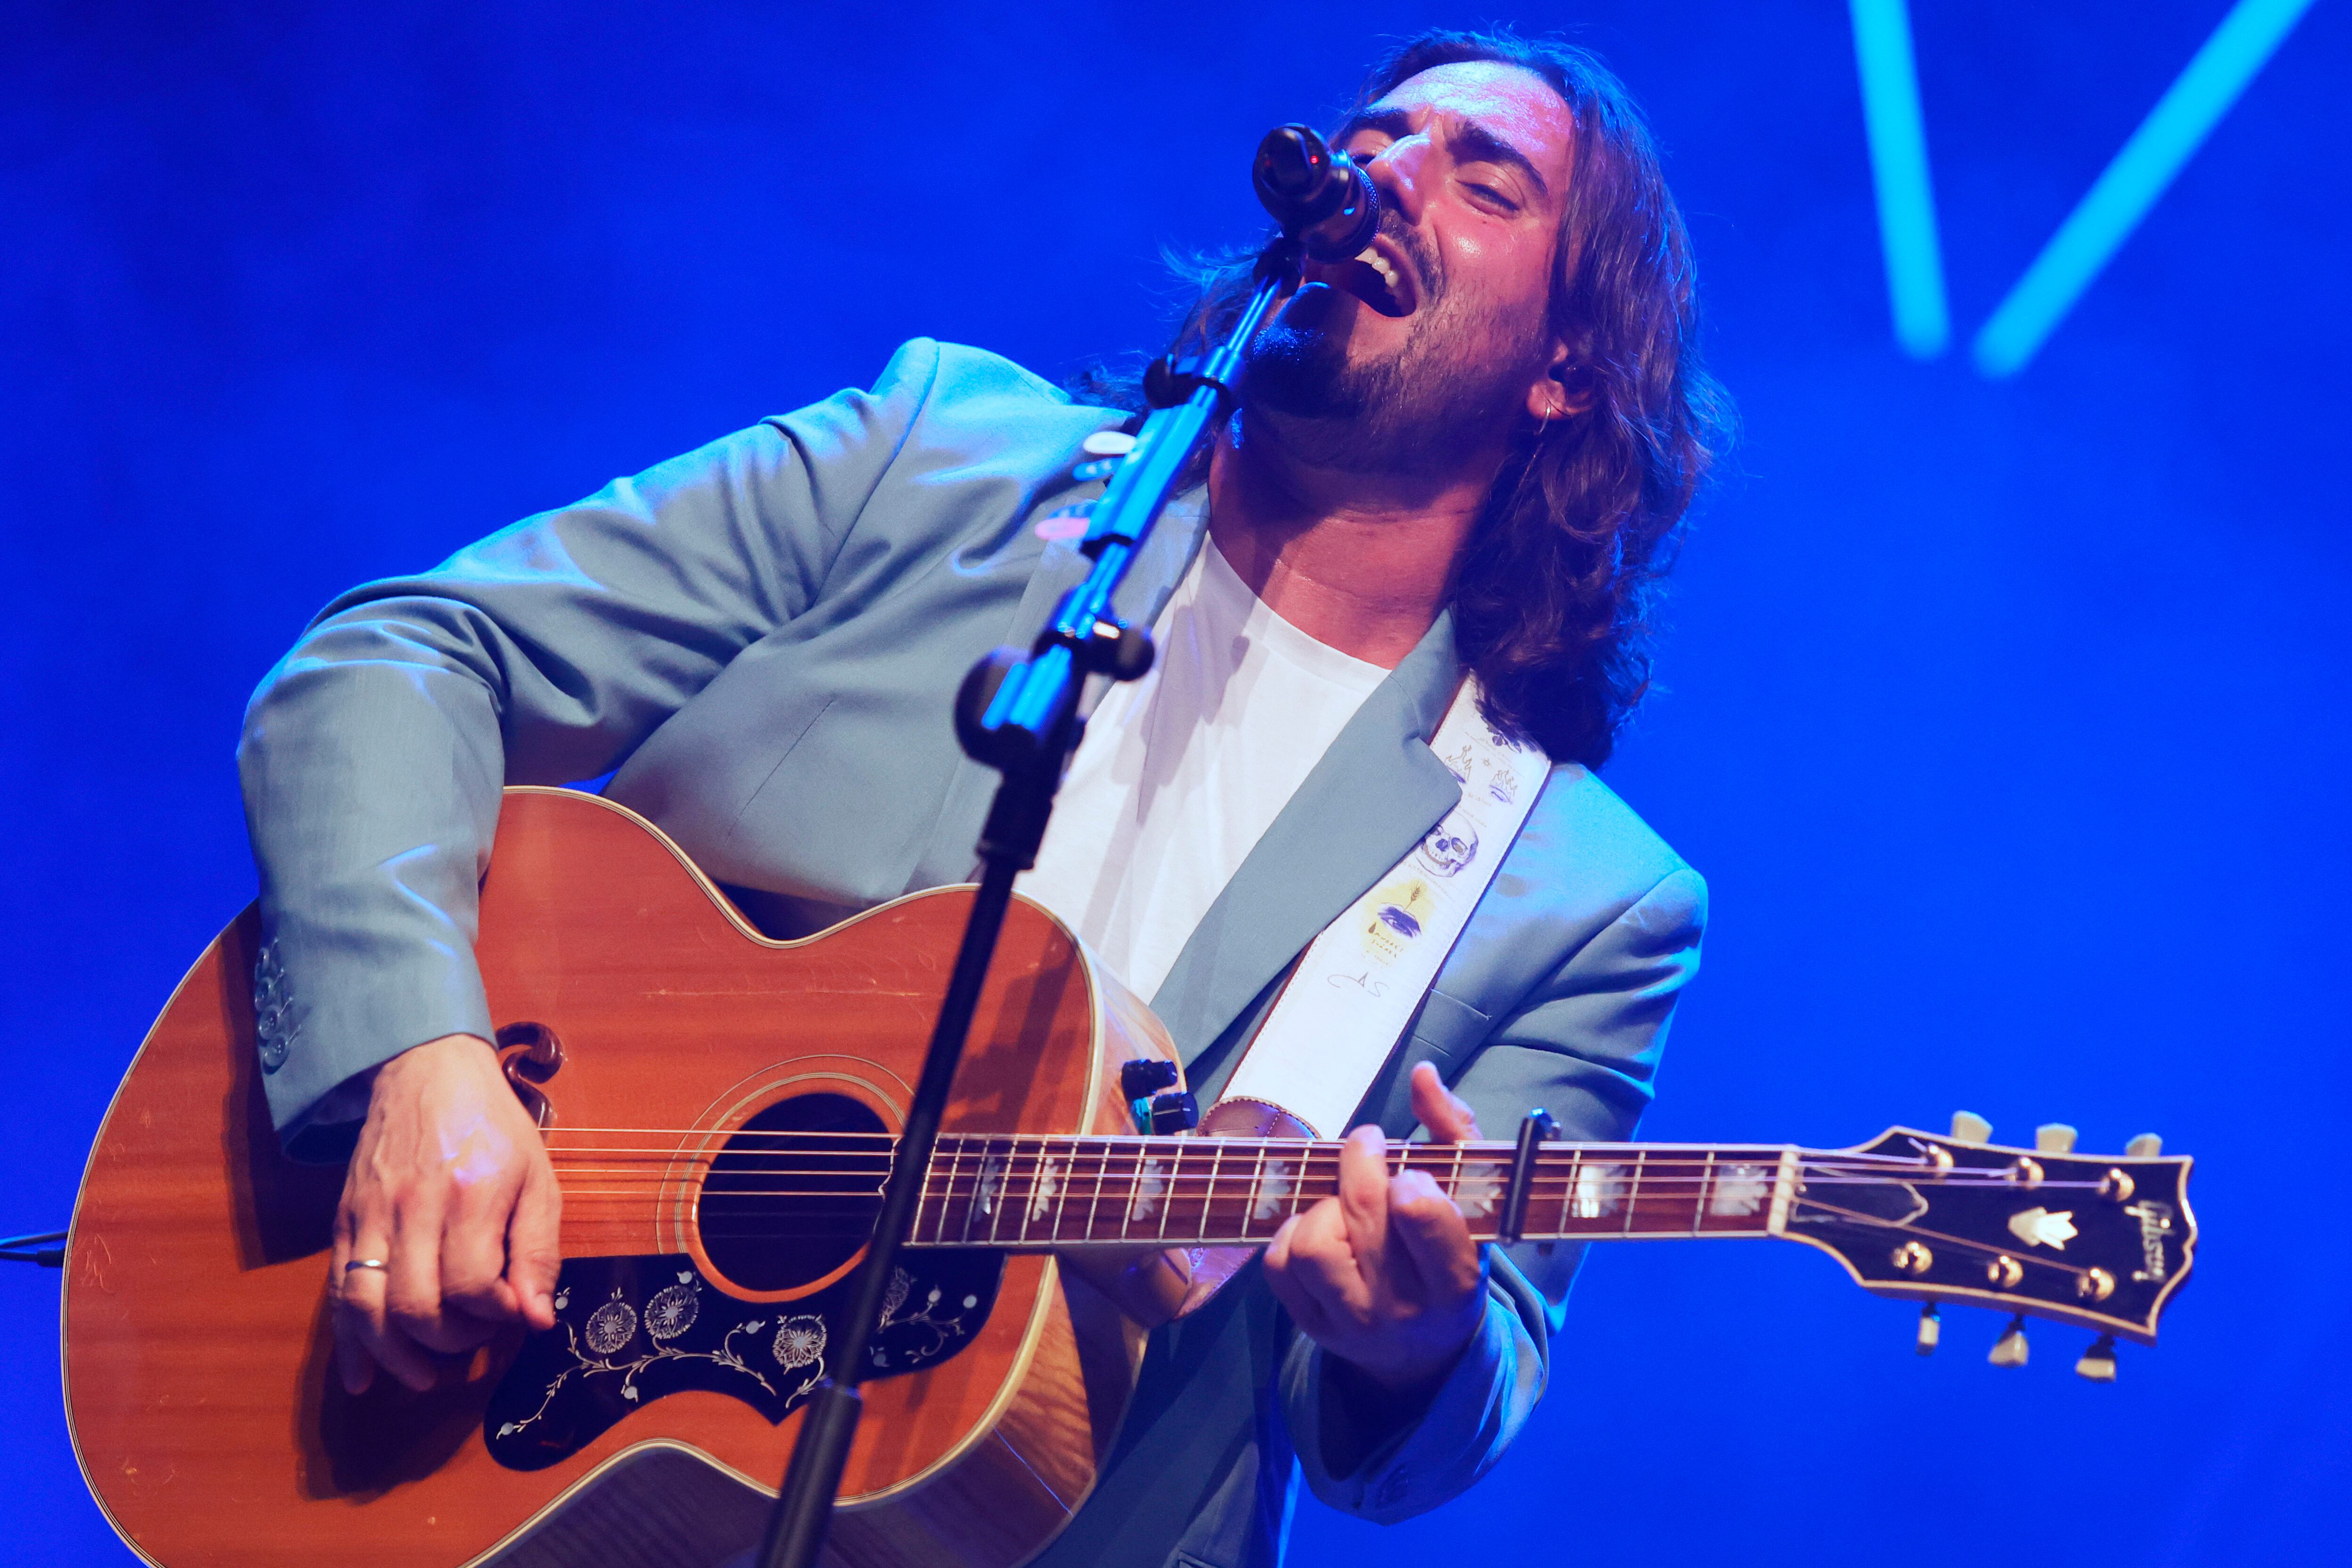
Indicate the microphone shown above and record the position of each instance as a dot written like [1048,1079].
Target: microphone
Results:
[1321,198]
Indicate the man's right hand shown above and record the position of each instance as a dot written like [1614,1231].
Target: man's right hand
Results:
[451,1190]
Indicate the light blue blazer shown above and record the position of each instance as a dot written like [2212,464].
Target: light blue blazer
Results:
[762,637]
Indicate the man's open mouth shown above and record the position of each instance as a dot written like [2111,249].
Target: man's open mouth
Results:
[1379,276]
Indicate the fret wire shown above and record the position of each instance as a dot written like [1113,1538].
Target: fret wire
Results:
[1699,1208]
[995,1205]
[1040,1197]
[1453,1182]
[1209,1196]
[1049,1197]
[1134,1191]
[922,1197]
[946,1200]
[976,1150]
[979,1184]
[1094,1205]
[1257,1193]
[1062,1197]
[979,1178]
[1167,1191]
[1634,1194]
[1029,1200]
[1174,1191]
[1034,1176]
[1004,1186]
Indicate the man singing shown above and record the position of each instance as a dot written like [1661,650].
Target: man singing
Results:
[1465,452]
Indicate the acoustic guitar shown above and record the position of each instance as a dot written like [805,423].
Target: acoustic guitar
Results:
[719,1110]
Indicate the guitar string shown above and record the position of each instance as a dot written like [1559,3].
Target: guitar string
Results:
[1610,1232]
[1551,1149]
[1025,1166]
[1191,1184]
[1057,1145]
[1028,1176]
[1029,1146]
[1045,1145]
[850,1228]
[1237,1182]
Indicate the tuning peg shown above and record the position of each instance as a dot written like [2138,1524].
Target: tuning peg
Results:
[1970,1128]
[2098,1362]
[2053,1138]
[2009,1349]
[2146,1147]
[1931,1329]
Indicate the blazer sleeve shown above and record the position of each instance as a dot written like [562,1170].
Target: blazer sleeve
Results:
[372,754]
[1584,1043]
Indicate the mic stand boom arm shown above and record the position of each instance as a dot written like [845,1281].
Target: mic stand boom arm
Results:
[1020,717]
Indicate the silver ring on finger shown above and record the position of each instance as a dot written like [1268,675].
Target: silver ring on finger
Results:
[377,1263]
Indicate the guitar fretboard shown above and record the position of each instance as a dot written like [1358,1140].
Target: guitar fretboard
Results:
[1054,1192]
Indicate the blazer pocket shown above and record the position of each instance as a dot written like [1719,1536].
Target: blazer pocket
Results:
[1450,1028]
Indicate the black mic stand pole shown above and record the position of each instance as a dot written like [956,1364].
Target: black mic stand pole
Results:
[1019,715]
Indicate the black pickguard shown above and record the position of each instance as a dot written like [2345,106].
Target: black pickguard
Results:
[630,1330]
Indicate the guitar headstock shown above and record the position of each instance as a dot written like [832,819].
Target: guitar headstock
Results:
[2098,1240]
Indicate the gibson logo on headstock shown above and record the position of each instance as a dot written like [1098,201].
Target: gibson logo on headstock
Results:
[2154,1224]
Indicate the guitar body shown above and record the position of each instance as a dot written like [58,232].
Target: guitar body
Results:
[196,1340]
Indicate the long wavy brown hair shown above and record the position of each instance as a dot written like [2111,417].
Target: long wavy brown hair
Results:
[1553,597]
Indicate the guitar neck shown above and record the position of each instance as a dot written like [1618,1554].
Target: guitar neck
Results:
[1026,1192]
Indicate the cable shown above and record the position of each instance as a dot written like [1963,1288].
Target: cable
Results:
[47,1249]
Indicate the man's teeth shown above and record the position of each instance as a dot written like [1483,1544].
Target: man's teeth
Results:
[1374,260]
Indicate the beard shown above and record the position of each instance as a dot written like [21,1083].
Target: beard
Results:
[1456,379]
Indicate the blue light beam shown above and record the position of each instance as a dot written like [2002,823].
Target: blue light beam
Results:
[2130,186]
[1898,169]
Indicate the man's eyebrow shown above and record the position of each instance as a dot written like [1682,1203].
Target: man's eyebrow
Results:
[1389,123]
[1469,142]
[1474,143]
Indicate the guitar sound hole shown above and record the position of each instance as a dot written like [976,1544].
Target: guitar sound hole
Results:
[793,1195]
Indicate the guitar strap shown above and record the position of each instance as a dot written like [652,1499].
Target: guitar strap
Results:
[1360,983]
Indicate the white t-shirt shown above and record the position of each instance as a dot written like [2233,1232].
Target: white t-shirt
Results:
[1183,771]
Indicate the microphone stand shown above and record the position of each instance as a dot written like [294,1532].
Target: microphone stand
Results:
[1019,715]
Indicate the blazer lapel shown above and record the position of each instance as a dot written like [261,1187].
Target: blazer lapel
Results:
[1167,555]
[1375,793]
[949,855]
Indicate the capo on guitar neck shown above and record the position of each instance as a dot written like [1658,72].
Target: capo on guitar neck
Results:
[1536,1127]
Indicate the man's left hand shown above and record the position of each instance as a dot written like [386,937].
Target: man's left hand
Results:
[1385,1275]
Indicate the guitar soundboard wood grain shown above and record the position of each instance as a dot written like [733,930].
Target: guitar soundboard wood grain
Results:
[198,1341]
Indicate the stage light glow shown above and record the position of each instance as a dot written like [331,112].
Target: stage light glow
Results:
[1898,169]
[2132,181]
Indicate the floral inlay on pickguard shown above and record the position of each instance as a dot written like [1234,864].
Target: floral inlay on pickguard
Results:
[629,1331]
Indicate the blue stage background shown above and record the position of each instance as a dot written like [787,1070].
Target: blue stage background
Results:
[2006,718]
